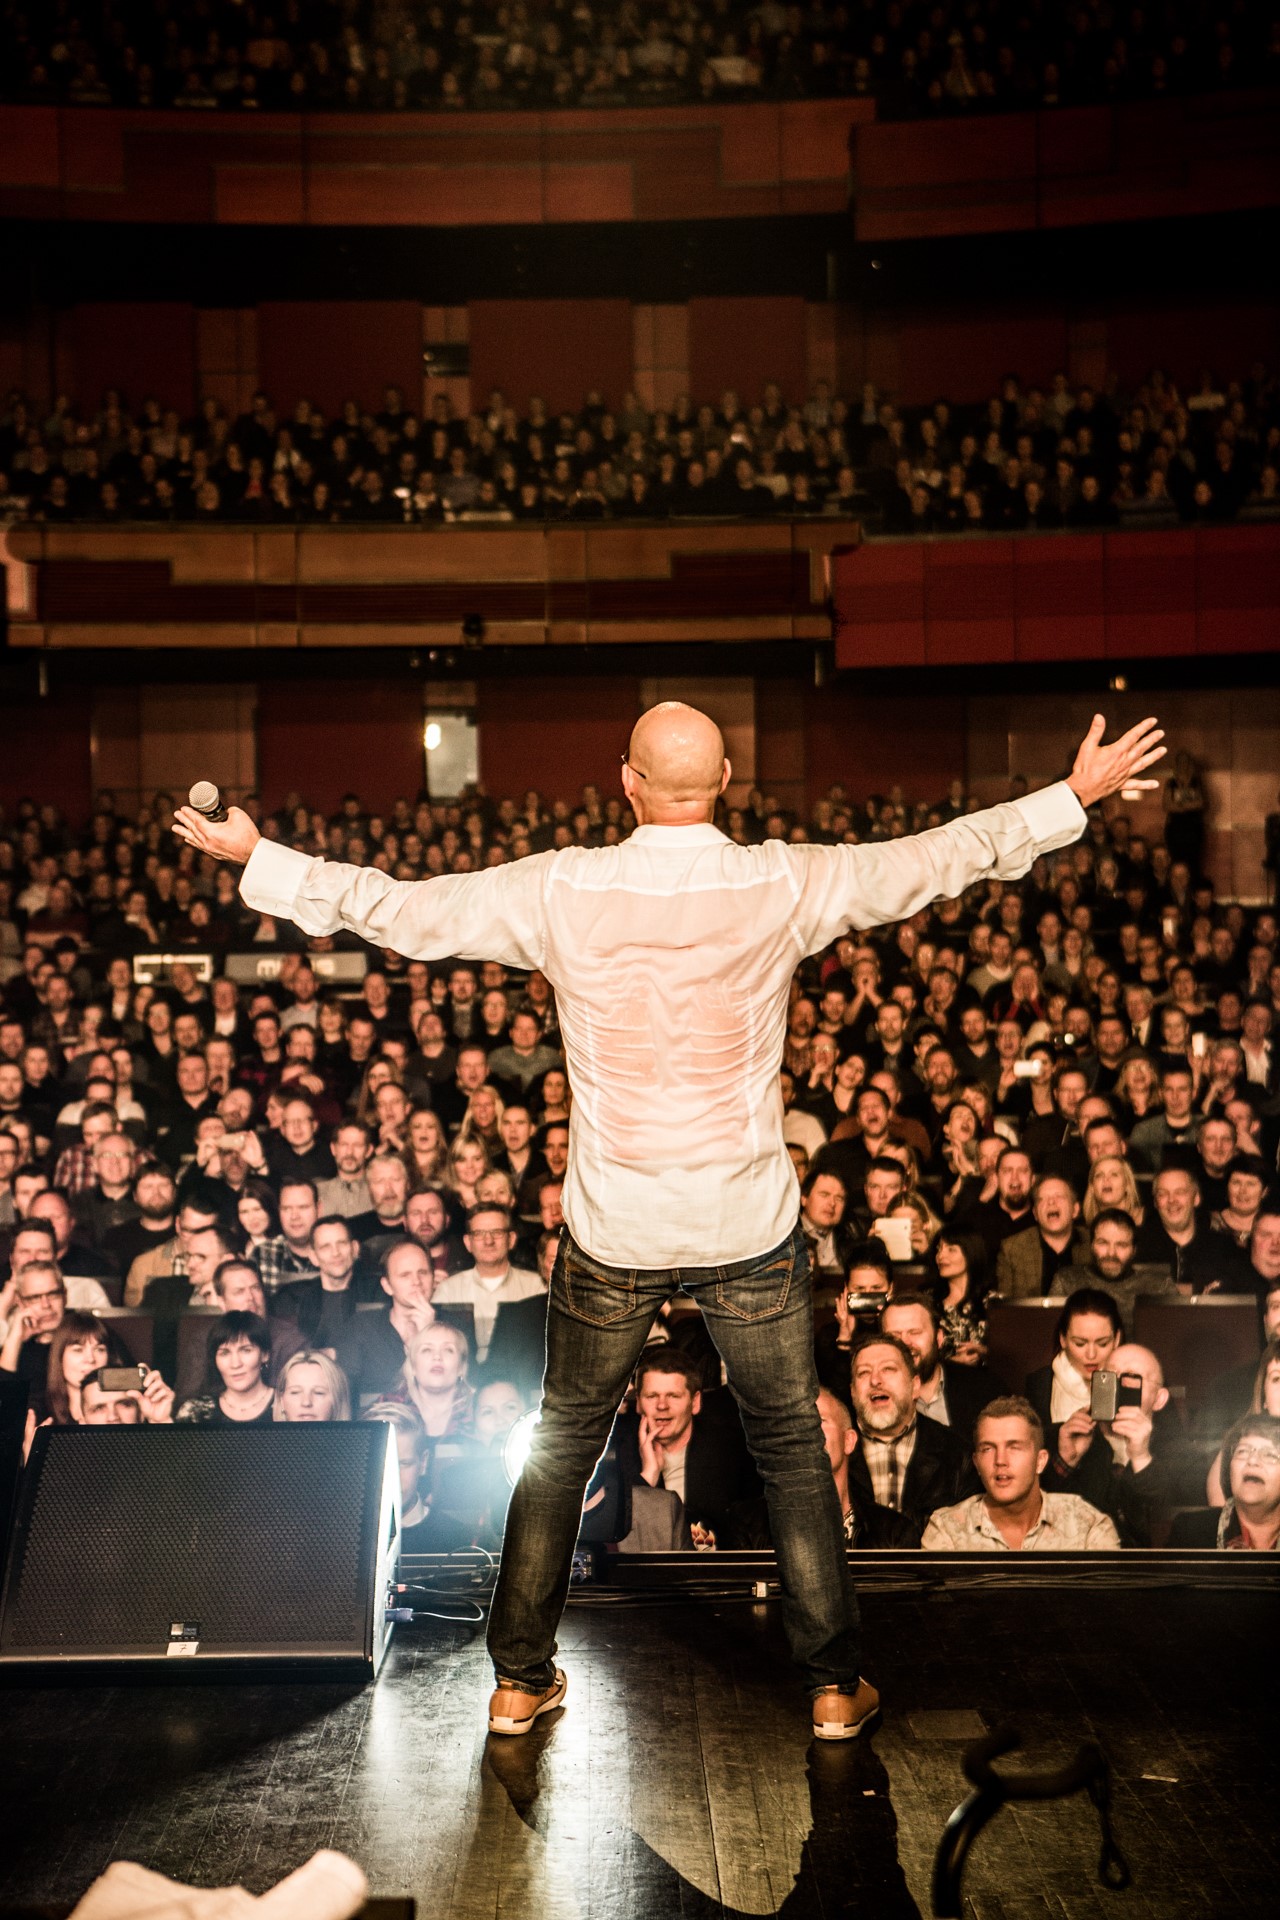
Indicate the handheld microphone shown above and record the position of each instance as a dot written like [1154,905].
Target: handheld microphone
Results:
[206,799]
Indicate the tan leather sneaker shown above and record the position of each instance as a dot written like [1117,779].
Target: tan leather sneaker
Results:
[514,1710]
[843,1716]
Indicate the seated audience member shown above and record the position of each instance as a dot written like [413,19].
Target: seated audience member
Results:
[371,1345]
[1028,1262]
[1233,1224]
[1265,1398]
[237,1288]
[78,1348]
[883,1191]
[1135,1467]
[1263,1269]
[958,1280]
[867,1285]
[108,1201]
[388,1182]
[668,1442]
[35,1243]
[312,1387]
[822,1222]
[412,1454]
[1013,1513]
[1231,1394]
[903,1462]
[1111,1185]
[1175,1233]
[289,1258]
[950,1393]
[152,1223]
[295,1152]
[346,1190]
[237,1388]
[1174,1126]
[508,1304]
[1250,1520]
[433,1380]
[1009,1210]
[35,1303]
[866,1526]
[197,1211]
[1113,1242]
[1088,1332]
[134,1407]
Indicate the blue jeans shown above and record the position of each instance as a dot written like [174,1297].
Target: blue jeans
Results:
[759,1314]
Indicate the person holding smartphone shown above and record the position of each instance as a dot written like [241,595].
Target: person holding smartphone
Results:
[1124,1452]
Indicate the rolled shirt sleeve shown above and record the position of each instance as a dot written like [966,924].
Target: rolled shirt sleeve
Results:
[496,914]
[884,881]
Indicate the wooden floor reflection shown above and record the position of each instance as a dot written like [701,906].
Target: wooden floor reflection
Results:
[680,1781]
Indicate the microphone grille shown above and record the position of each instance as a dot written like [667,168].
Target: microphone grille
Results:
[203,795]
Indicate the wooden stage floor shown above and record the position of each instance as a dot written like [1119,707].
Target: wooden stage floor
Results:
[680,1781]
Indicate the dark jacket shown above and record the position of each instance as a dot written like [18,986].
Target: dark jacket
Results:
[1020,1263]
[968,1390]
[939,1473]
[872,1527]
[1141,1504]
[718,1470]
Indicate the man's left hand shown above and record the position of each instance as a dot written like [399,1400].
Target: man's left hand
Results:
[1133,1426]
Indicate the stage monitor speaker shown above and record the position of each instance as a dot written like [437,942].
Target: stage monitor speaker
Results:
[204,1549]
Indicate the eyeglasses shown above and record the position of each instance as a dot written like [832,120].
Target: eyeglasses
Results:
[489,1233]
[635,770]
[50,1293]
[1257,1456]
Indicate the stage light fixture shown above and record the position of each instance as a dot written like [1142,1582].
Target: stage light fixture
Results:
[518,1445]
[431,735]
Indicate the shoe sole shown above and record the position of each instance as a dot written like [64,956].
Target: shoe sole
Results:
[828,1730]
[502,1723]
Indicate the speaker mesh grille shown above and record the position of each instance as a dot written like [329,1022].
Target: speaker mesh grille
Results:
[255,1534]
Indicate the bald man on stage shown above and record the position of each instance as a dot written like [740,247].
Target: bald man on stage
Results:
[672,957]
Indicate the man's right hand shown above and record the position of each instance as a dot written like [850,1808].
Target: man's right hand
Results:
[1099,770]
[651,1452]
[1075,1436]
[231,839]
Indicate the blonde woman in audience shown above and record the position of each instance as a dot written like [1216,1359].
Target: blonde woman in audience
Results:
[1112,1184]
[312,1387]
[483,1119]
[436,1360]
[1138,1087]
[427,1153]
[468,1162]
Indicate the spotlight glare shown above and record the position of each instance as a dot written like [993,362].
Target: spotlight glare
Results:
[518,1445]
[432,736]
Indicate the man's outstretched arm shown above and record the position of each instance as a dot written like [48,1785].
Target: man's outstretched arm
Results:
[889,880]
[495,914]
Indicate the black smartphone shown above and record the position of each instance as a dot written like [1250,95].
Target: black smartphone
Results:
[121,1379]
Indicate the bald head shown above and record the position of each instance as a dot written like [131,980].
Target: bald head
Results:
[676,767]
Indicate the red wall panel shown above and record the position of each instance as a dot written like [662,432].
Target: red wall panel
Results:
[558,349]
[1228,337]
[363,736]
[556,735]
[44,750]
[744,343]
[328,351]
[871,741]
[144,348]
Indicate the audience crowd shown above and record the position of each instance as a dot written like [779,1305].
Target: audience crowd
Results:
[286,1193]
[939,58]
[1028,459]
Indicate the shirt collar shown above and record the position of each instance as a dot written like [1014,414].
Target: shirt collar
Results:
[701,834]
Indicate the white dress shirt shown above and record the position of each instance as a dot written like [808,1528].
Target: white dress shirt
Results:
[484,1294]
[671,956]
